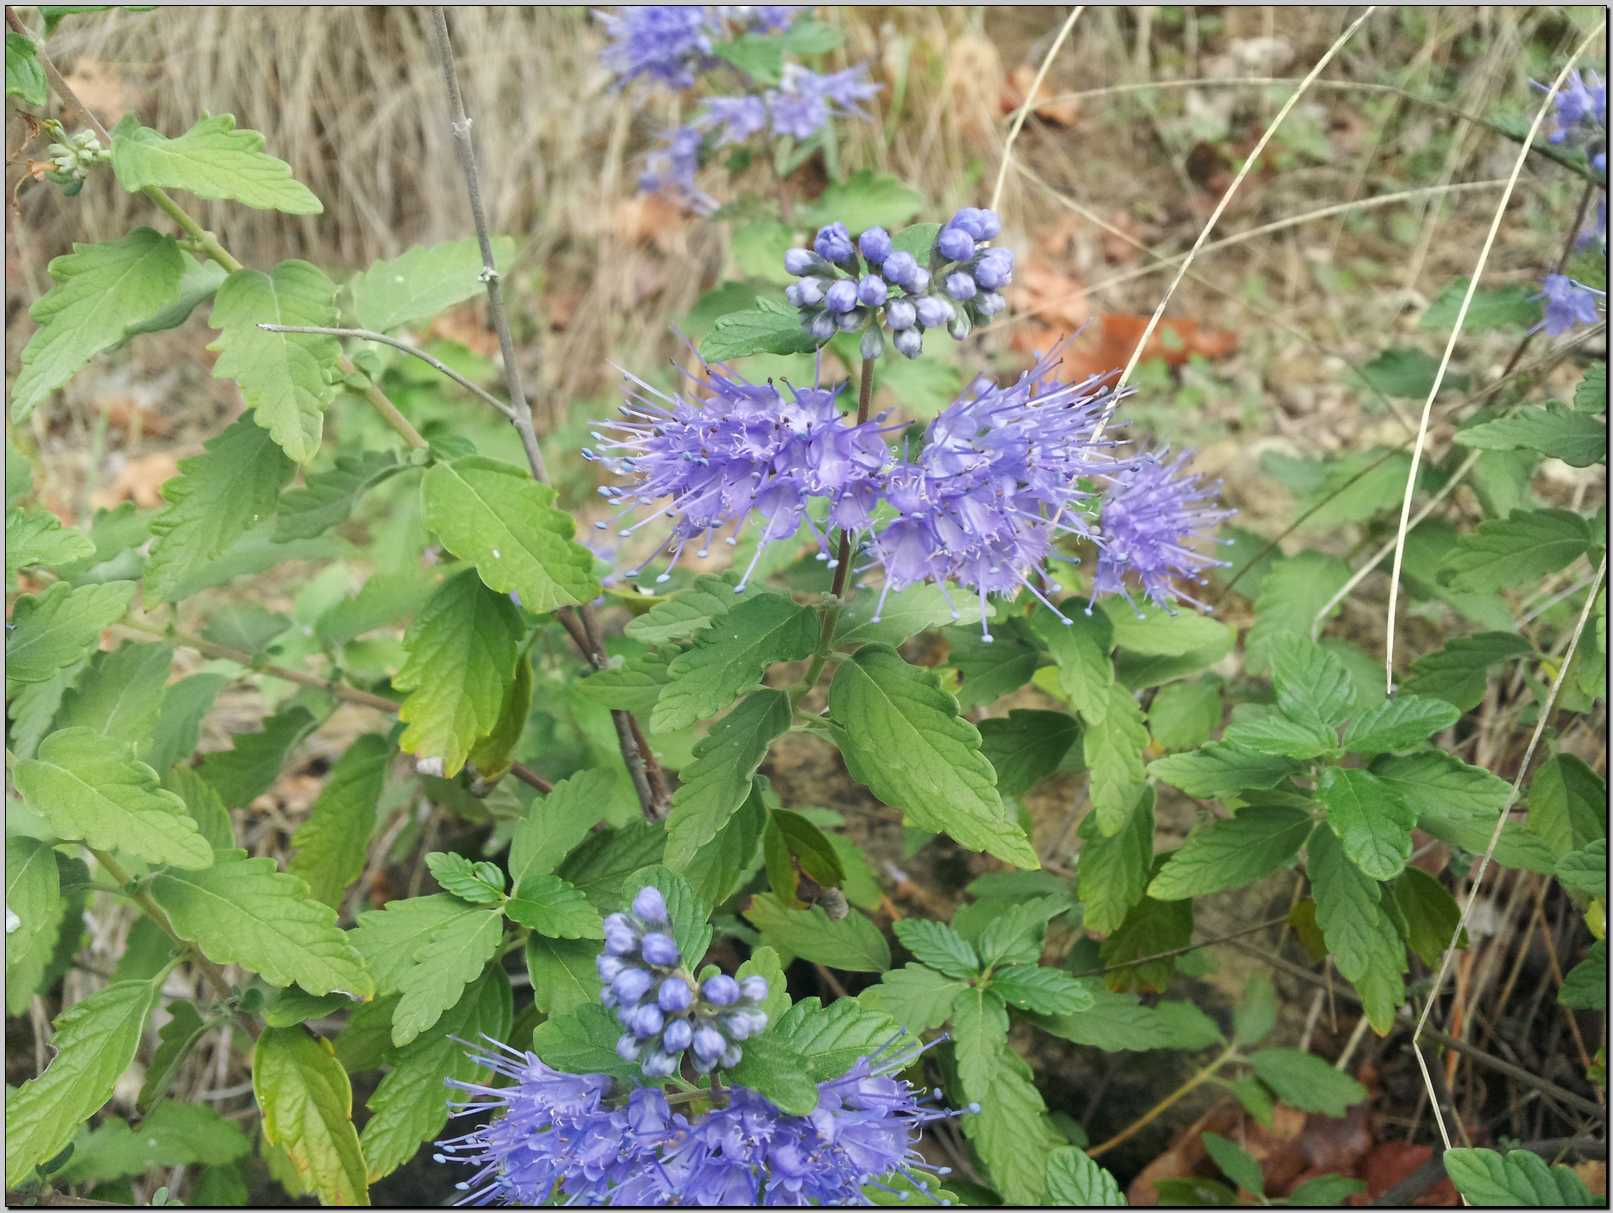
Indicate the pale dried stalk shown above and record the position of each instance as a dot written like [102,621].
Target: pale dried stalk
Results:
[1450,348]
[1030,101]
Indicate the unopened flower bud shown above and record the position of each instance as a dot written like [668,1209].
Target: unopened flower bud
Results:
[708,1044]
[841,296]
[821,326]
[900,268]
[721,990]
[753,988]
[933,311]
[674,995]
[645,1020]
[800,261]
[960,285]
[660,950]
[875,244]
[649,905]
[955,244]
[677,1036]
[833,243]
[630,986]
[909,343]
[900,314]
[990,304]
[872,344]
[660,1065]
[850,322]
[872,291]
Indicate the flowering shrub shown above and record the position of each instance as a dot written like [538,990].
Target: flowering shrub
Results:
[559,885]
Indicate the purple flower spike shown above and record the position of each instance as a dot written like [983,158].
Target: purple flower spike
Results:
[666,42]
[650,906]
[1151,515]
[979,223]
[900,314]
[620,937]
[994,268]
[799,261]
[660,950]
[645,1020]
[934,312]
[735,118]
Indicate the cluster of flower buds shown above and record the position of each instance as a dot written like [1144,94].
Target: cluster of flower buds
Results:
[663,1010]
[73,157]
[871,285]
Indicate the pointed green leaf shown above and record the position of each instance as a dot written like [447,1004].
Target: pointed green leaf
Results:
[95,1040]
[307,1103]
[729,657]
[1012,1132]
[286,379]
[330,845]
[25,78]
[716,784]
[583,1042]
[217,497]
[1458,672]
[1026,746]
[1567,804]
[1291,593]
[686,612]
[1156,632]
[1040,989]
[1233,852]
[1510,551]
[720,865]
[1430,912]
[211,160]
[1584,987]
[556,823]
[1361,935]
[778,1074]
[1582,871]
[172,1135]
[1312,683]
[1373,822]
[1220,769]
[505,523]
[1075,1181]
[1265,730]
[99,291]
[451,956]
[326,499]
[175,1040]
[902,737]
[1184,714]
[1113,750]
[422,282]
[986,672]
[914,996]
[36,537]
[1402,723]
[179,721]
[1139,954]
[1306,1082]
[462,649]
[1113,871]
[940,947]
[1520,1178]
[853,944]
[203,805]
[1080,650]
[563,973]
[551,907]
[247,912]
[51,631]
[121,694]
[480,883]
[92,788]
[1557,431]
[35,909]
[408,1106]
[242,774]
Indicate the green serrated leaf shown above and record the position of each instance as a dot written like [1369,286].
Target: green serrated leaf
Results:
[203,804]
[242,774]
[633,686]
[179,721]
[687,612]
[1312,683]
[1371,819]
[1120,1023]
[246,911]
[905,613]
[563,973]
[217,497]
[1080,650]
[915,996]
[422,282]
[1012,1132]
[1184,714]
[172,1135]
[1113,871]
[606,858]
[121,694]
[864,200]
[326,499]
[35,909]
[1014,935]
[36,537]
[1430,912]
[1522,547]
[462,651]
[1584,986]
[1520,1178]
[307,1103]
[1567,804]
[1026,746]
[95,1040]
[1402,723]
[1075,1181]
[91,787]
[407,1106]
[286,379]
[1235,1163]
[759,330]
[1233,852]
[450,954]
[716,784]
[1361,935]
[556,823]
[1292,592]
[1040,989]
[481,883]
[25,77]
[1113,751]
[175,1040]
[211,160]
[1590,395]
[505,523]
[903,739]
[1138,955]
[852,944]
[99,291]
[330,845]
[583,1042]
[1493,307]
[987,672]
[1259,729]
[729,656]
[50,631]
[1582,871]
[1557,431]
[1458,672]
[940,947]
[1218,770]
[778,1074]
[553,908]
[1306,1082]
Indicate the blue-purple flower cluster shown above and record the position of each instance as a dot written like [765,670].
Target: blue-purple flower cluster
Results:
[745,451]
[1579,119]
[660,1006]
[672,43]
[571,1139]
[869,285]
[803,103]
[1000,475]
[1568,304]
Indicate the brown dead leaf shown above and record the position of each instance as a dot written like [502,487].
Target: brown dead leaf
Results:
[1049,107]
[1390,1162]
[1107,346]
[650,219]
[465,325]
[137,481]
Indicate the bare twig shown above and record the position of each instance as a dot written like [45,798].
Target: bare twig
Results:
[1450,348]
[413,351]
[642,767]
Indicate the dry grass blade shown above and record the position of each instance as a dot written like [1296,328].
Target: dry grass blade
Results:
[1220,208]
[1495,838]
[1030,102]
[1450,348]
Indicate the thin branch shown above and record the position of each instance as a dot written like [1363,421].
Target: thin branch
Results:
[637,756]
[1030,99]
[415,351]
[1450,349]
[1184,949]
